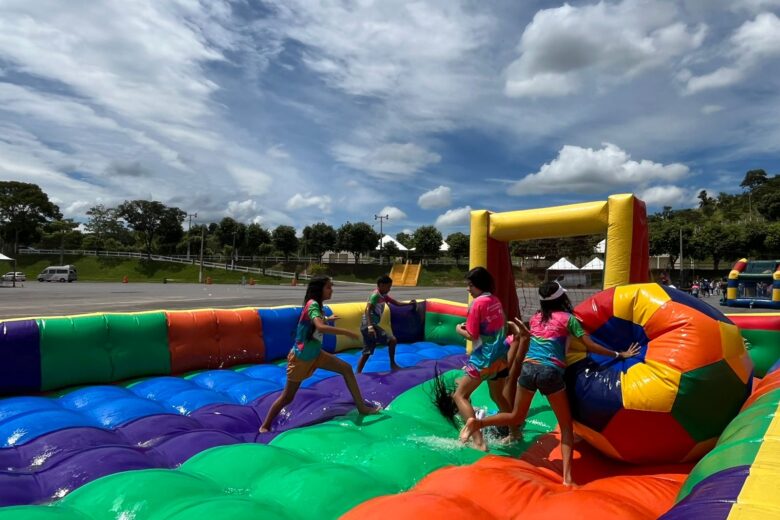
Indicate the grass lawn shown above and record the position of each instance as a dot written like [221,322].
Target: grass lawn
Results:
[96,269]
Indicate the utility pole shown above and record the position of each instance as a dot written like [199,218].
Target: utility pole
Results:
[233,251]
[200,271]
[381,219]
[681,260]
[189,228]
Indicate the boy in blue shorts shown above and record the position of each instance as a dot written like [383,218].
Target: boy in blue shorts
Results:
[373,334]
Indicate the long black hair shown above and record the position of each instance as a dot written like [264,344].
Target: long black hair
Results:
[441,396]
[314,292]
[561,303]
[481,279]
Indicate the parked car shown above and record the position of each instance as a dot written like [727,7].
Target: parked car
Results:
[9,277]
[58,273]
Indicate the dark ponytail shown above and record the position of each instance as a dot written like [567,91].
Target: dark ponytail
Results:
[314,292]
[441,396]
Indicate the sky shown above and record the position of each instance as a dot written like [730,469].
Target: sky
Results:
[299,111]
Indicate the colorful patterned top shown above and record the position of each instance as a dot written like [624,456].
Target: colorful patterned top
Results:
[485,323]
[377,301]
[548,340]
[308,342]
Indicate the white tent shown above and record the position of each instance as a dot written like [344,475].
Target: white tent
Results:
[563,265]
[387,239]
[597,264]
[3,257]
[444,246]
[601,247]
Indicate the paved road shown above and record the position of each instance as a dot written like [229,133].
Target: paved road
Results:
[53,299]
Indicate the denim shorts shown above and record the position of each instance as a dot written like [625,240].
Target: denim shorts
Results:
[546,379]
[380,337]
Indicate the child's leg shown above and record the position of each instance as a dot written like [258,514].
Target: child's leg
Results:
[285,398]
[334,364]
[517,416]
[496,387]
[462,398]
[560,405]
[391,343]
[369,344]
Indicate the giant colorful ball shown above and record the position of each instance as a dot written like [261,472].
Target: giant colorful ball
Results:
[670,403]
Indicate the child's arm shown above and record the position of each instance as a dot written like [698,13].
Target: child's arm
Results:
[324,328]
[367,313]
[594,347]
[460,328]
[521,338]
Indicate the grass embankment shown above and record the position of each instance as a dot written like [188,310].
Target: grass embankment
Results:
[97,269]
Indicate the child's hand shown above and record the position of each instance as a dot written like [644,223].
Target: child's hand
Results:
[371,331]
[333,318]
[519,328]
[631,351]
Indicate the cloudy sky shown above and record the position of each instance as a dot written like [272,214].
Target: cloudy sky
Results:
[298,111]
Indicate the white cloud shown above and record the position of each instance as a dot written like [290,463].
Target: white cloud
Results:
[585,170]
[242,210]
[386,160]
[298,201]
[454,217]
[611,41]
[251,180]
[711,109]
[393,212]
[277,152]
[753,42]
[665,196]
[440,197]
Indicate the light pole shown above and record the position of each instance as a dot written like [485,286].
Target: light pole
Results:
[233,251]
[381,219]
[189,228]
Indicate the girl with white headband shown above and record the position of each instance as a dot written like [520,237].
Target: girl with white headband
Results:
[544,365]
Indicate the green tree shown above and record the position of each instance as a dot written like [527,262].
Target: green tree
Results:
[103,223]
[772,241]
[319,238]
[707,204]
[390,250]
[767,199]
[256,236]
[285,241]
[459,246]
[24,208]
[427,241]
[753,179]
[357,238]
[405,239]
[152,220]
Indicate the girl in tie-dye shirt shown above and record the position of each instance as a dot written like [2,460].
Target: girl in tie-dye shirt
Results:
[543,367]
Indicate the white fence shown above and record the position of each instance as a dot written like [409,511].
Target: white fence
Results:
[161,258]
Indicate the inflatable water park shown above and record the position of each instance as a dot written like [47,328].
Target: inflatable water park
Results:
[156,415]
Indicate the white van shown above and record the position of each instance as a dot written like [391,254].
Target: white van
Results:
[58,273]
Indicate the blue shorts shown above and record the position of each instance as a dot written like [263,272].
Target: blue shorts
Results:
[370,342]
[548,380]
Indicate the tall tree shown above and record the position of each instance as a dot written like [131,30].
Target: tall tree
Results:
[459,246]
[767,199]
[405,239]
[753,179]
[285,241]
[427,241]
[103,223]
[151,220]
[24,207]
[256,235]
[319,238]
[357,238]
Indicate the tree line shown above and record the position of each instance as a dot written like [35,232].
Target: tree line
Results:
[29,218]
[722,227]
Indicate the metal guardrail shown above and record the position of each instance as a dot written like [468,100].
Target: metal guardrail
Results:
[163,258]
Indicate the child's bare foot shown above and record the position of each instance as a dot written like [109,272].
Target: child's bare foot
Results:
[468,430]
[569,483]
[479,442]
[369,410]
[264,430]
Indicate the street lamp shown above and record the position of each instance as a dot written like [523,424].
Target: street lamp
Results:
[189,228]
[381,219]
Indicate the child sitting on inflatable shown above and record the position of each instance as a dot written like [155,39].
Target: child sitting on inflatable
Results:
[306,354]
[543,367]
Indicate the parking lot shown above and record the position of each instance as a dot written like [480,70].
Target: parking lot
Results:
[55,299]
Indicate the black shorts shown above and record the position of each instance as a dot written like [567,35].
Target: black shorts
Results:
[380,337]
[548,380]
